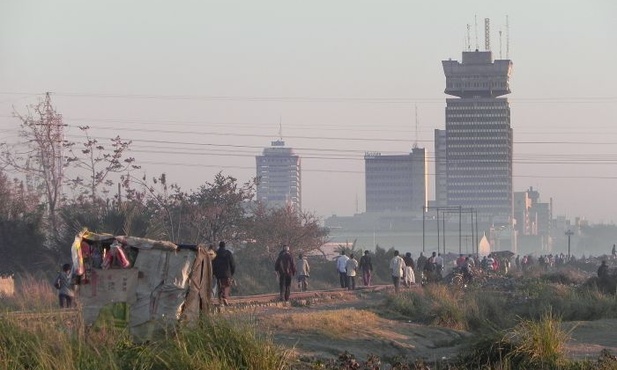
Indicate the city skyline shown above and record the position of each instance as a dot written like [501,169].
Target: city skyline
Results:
[200,87]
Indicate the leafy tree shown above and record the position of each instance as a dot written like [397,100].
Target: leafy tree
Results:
[217,210]
[21,237]
[270,228]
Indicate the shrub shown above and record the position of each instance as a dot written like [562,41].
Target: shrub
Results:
[538,343]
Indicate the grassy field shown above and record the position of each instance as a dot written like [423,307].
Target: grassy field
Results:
[517,322]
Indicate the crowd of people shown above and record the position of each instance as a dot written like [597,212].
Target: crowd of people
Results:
[403,269]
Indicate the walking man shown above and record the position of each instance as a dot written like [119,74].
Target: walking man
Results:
[304,271]
[351,268]
[341,267]
[397,267]
[224,268]
[367,268]
[286,269]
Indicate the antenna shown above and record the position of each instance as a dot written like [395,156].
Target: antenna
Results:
[475,17]
[507,38]
[500,44]
[487,34]
[468,37]
[281,128]
[415,143]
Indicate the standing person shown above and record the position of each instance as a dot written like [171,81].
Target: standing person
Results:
[603,270]
[64,284]
[460,261]
[410,276]
[614,252]
[438,265]
[224,268]
[397,266]
[341,267]
[212,253]
[430,267]
[304,271]
[421,262]
[351,267]
[286,269]
[467,269]
[367,268]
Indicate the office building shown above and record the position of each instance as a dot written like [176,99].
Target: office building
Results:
[478,136]
[396,182]
[279,177]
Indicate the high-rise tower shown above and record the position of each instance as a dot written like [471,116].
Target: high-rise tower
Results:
[279,176]
[479,136]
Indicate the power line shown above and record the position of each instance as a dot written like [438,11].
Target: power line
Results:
[373,139]
[201,165]
[314,99]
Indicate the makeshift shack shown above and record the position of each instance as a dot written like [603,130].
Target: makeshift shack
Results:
[142,283]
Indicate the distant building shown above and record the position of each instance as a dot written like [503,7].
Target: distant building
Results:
[533,220]
[396,182]
[441,174]
[478,136]
[279,177]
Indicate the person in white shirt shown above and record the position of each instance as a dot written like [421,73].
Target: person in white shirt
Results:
[341,267]
[351,268]
[397,268]
[439,265]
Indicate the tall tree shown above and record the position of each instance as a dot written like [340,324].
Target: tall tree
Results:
[39,155]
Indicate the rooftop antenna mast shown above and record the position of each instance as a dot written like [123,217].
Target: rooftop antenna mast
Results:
[475,17]
[487,34]
[415,143]
[507,38]
[280,128]
[468,46]
[500,44]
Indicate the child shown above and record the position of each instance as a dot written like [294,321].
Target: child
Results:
[64,285]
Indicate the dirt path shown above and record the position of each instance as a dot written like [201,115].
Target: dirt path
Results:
[590,337]
[350,324]
[383,337]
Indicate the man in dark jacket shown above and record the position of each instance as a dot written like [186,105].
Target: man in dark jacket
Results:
[224,268]
[286,269]
[367,268]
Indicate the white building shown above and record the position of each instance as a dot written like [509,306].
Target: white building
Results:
[279,177]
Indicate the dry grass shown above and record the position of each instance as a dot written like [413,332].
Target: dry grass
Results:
[31,294]
[541,342]
[334,324]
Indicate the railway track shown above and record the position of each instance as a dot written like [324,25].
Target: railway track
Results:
[72,317]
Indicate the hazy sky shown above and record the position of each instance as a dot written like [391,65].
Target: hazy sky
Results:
[200,86]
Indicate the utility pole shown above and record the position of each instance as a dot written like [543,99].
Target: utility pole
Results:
[569,233]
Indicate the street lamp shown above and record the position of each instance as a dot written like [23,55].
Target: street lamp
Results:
[569,233]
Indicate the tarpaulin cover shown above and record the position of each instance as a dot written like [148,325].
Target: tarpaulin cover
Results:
[143,243]
[164,285]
